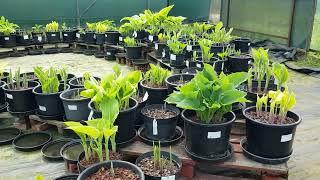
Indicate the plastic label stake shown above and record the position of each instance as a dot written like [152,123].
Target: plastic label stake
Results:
[9,96]
[53,35]
[189,48]
[187,63]
[145,97]
[135,34]
[108,53]
[120,39]
[155,127]
[214,135]
[25,37]
[6,38]
[156,46]
[65,35]
[39,38]
[106,35]
[173,177]
[90,115]
[78,35]
[42,108]
[173,57]
[198,65]
[150,38]
[72,107]
[286,138]
[164,53]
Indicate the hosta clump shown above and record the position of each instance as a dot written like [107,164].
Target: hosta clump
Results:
[48,79]
[205,45]
[156,76]
[15,82]
[210,95]
[130,42]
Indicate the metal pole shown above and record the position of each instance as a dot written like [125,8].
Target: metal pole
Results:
[78,14]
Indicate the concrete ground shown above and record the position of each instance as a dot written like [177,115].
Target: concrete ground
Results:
[304,164]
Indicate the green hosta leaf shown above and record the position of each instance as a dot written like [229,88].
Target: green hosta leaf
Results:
[237,78]
[89,93]
[110,109]
[88,130]
[109,132]
[232,96]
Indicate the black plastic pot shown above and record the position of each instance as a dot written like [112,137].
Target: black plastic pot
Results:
[190,49]
[165,155]
[140,35]
[219,65]
[53,37]
[8,41]
[171,81]
[166,54]
[38,38]
[100,38]
[163,128]
[89,37]
[134,52]
[80,37]
[218,48]
[116,164]
[49,104]
[152,38]
[23,40]
[22,100]
[30,76]
[242,44]
[68,177]
[69,36]
[156,95]
[70,153]
[238,63]
[252,96]
[177,60]
[112,37]
[207,140]
[111,54]
[76,82]
[125,121]
[75,109]
[2,94]
[270,140]
[159,47]
[139,119]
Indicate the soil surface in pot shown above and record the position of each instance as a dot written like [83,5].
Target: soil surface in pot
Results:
[119,174]
[154,85]
[160,113]
[180,82]
[148,168]
[95,159]
[264,117]
[197,119]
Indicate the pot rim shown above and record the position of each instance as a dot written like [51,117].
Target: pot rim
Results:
[251,108]
[173,108]
[147,87]
[19,90]
[208,125]
[48,94]
[174,75]
[72,100]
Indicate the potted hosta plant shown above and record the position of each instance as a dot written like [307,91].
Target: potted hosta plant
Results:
[271,126]
[19,94]
[111,34]
[125,30]
[113,170]
[154,83]
[100,30]
[137,24]
[48,93]
[89,36]
[8,29]
[68,34]
[159,164]
[177,80]
[161,44]
[37,34]
[23,38]
[220,38]
[133,48]
[242,44]
[160,121]
[80,33]
[97,134]
[207,56]
[52,32]
[207,100]
[176,49]
[123,86]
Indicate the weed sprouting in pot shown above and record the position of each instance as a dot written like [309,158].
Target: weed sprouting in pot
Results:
[156,76]
[111,169]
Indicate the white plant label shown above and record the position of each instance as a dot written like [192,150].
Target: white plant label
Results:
[53,35]
[106,35]
[94,36]
[173,177]
[276,81]
[65,35]
[90,115]
[39,38]
[187,63]
[120,39]
[150,38]
[156,46]
[78,35]
[214,135]
[145,97]
[6,38]
[72,107]
[135,34]
[198,65]
[249,62]
[286,138]
[9,96]
[249,44]
[108,53]
[42,108]
[173,57]
[25,37]
[155,127]
[187,72]
[189,48]
[164,53]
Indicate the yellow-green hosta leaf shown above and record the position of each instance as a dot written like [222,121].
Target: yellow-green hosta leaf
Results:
[88,93]
[72,123]
[88,130]
[109,132]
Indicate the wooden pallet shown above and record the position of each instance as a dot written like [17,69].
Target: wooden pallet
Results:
[237,163]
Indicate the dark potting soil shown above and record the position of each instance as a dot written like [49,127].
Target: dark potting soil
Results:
[95,159]
[264,117]
[147,166]
[154,85]
[160,113]
[119,174]
[197,119]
